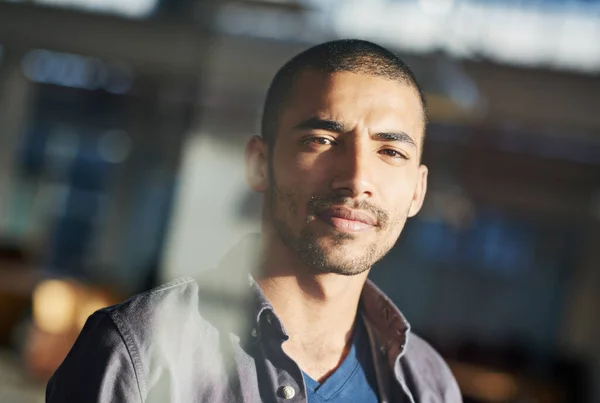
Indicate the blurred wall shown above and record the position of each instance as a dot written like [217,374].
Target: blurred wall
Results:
[211,209]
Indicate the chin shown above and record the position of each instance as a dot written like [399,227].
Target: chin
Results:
[343,267]
[328,250]
[347,259]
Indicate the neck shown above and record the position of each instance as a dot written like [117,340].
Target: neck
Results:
[317,310]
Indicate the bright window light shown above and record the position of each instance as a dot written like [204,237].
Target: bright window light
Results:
[127,8]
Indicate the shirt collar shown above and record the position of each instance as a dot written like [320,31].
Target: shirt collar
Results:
[265,309]
[391,327]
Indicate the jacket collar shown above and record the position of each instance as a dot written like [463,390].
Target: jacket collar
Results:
[390,326]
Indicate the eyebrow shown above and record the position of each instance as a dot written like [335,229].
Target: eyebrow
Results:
[395,136]
[316,123]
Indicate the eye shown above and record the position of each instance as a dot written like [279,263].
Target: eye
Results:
[323,141]
[393,153]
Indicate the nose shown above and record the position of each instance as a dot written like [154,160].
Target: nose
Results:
[353,172]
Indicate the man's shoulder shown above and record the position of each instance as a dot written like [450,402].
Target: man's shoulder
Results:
[182,308]
[158,313]
[428,370]
[181,293]
[421,353]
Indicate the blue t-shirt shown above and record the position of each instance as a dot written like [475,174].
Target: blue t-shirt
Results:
[354,380]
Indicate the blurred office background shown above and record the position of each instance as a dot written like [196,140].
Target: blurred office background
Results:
[122,127]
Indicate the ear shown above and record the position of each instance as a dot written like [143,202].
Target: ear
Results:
[257,168]
[420,190]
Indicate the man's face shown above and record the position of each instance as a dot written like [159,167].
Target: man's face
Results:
[344,173]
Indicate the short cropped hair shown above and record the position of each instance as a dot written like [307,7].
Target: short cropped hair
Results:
[346,55]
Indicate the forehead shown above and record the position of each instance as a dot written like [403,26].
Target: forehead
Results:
[378,103]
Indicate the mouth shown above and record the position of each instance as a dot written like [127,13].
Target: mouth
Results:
[348,220]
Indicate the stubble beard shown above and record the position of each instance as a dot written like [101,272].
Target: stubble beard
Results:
[320,259]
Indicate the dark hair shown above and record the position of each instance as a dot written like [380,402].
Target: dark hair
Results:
[346,55]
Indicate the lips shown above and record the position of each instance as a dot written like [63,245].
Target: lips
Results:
[349,215]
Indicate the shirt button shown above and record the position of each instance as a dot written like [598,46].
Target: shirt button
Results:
[253,332]
[288,392]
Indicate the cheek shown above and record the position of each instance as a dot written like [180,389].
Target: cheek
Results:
[397,199]
[301,173]
[398,192]
[290,189]
[309,166]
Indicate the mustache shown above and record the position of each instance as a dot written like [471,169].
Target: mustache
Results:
[322,202]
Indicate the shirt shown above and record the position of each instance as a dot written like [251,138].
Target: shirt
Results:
[216,338]
[354,380]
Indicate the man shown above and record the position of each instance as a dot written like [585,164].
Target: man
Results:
[290,314]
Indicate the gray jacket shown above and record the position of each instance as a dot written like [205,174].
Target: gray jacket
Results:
[217,339]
